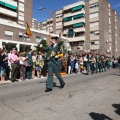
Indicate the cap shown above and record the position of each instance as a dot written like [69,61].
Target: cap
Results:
[56,38]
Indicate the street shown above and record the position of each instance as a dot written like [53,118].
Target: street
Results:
[84,97]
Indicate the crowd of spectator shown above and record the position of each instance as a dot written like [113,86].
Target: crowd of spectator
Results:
[21,66]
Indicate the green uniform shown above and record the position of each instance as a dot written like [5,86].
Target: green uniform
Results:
[54,66]
[29,68]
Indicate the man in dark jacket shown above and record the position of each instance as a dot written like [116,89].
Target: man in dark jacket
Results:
[54,64]
[30,65]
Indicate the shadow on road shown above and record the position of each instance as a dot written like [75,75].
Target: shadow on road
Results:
[115,74]
[97,116]
[117,106]
[54,83]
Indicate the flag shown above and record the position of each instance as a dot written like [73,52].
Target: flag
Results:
[28,31]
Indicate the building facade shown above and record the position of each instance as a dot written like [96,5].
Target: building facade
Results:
[89,26]
[13,17]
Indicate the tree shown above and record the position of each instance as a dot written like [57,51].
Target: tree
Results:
[41,45]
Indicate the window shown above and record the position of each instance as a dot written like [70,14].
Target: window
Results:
[38,38]
[21,14]
[59,16]
[94,6]
[93,15]
[95,42]
[8,33]
[94,24]
[20,35]
[94,33]
[21,5]
[26,38]
[44,25]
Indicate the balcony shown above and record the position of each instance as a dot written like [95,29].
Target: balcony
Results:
[74,22]
[73,5]
[94,37]
[94,19]
[59,27]
[59,12]
[94,10]
[94,47]
[4,21]
[8,12]
[81,29]
[11,2]
[94,28]
[72,14]
[59,19]
[22,1]
[21,18]
[75,39]
[93,1]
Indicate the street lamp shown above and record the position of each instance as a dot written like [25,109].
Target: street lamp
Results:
[40,8]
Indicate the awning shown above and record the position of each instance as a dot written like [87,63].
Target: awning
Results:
[78,25]
[10,6]
[77,8]
[2,3]
[78,16]
[67,19]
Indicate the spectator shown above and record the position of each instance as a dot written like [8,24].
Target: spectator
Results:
[76,67]
[14,64]
[37,66]
[22,66]
[3,58]
[69,64]
[34,61]
[119,62]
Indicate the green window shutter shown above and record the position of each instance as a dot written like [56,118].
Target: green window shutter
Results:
[2,3]
[78,25]
[77,8]
[78,16]
[10,6]
[67,19]
[70,33]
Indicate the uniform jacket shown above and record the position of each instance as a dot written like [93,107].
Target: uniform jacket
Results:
[51,49]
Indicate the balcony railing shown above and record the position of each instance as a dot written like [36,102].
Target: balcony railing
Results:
[74,39]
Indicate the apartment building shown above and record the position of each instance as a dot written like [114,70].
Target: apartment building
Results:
[89,26]
[13,17]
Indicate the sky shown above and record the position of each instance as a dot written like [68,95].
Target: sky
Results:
[53,5]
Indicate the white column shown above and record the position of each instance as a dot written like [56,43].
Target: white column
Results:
[18,46]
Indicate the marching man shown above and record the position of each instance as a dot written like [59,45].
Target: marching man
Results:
[54,64]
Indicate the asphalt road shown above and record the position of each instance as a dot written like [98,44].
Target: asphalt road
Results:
[92,97]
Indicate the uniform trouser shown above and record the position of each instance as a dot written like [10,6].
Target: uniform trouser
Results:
[14,71]
[103,66]
[29,72]
[97,67]
[88,67]
[92,68]
[53,68]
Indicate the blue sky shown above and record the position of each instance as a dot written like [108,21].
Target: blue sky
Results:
[54,5]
